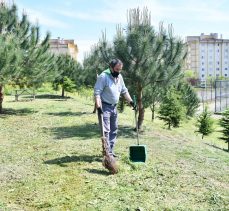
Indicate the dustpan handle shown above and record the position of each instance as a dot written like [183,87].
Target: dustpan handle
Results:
[135,114]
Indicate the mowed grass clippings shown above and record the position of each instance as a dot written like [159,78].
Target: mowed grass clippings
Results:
[50,155]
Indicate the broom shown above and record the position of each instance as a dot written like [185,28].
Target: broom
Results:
[109,161]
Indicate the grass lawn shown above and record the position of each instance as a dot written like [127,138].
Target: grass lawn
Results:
[50,159]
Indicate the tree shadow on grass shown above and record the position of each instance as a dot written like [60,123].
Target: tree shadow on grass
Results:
[62,162]
[97,171]
[75,158]
[211,145]
[69,113]
[88,131]
[50,96]
[16,112]
[126,132]
[85,131]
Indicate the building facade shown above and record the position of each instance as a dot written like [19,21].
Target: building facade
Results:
[208,56]
[60,46]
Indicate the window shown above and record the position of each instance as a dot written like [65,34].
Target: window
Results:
[210,75]
[202,69]
[217,62]
[218,44]
[225,68]
[202,63]
[217,68]
[202,57]
[217,74]
[225,74]
[202,75]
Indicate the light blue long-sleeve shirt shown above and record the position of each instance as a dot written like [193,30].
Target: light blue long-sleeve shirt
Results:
[108,89]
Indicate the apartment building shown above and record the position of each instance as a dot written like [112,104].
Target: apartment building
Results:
[60,46]
[208,55]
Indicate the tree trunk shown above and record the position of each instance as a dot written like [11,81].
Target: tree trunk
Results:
[1,97]
[141,109]
[62,94]
[153,112]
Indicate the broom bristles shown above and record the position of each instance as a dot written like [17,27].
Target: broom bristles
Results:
[109,161]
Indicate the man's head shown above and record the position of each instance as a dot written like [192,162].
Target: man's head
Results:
[116,67]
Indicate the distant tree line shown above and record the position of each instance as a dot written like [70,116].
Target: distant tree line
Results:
[25,59]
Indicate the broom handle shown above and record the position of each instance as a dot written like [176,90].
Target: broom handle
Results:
[101,124]
[136,122]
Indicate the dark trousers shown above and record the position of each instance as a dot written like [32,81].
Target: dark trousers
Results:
[110,120]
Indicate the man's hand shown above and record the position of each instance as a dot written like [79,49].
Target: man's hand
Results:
[100,111]
[133,105]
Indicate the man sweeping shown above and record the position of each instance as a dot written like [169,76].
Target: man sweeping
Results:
[107,90]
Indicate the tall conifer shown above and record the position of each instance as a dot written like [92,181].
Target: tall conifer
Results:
[151,58]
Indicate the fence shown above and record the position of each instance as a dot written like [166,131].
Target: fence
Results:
[221,95]
[214,92]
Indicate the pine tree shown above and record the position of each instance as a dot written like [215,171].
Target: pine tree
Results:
[38,64]
[9,51]
[24,59]
[205,123]
[224,123]
[9,57]
[150,58]
[93,65]
[153,95]
[189,98]
[171,110]
[69,71]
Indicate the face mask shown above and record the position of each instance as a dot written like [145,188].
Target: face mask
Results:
[115,74]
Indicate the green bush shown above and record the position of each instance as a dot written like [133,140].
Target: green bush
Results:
[171,110]
[224,123]
[205,123]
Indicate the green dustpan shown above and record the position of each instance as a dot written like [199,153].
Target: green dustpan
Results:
[137,152]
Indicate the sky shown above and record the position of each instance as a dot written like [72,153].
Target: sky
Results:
[85,20]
